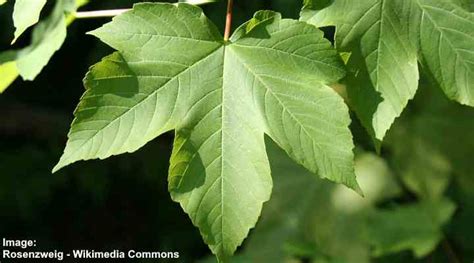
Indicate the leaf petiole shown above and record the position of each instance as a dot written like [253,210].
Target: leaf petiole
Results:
[100,13]
[116,12]
[228,21]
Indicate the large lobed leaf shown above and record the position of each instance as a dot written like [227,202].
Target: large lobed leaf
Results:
[173,71]
[387,39]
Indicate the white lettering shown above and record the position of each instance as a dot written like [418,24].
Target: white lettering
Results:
[18,243]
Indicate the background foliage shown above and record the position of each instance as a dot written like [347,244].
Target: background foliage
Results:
[419,204]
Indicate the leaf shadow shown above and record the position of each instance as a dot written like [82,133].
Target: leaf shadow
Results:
[187,171]
[112,77]
[364,99]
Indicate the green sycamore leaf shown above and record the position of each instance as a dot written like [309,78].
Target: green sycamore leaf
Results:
[25,14]
[424,170]
[423,166]
[416,227]
[387,40]
[421,151]
[173,71]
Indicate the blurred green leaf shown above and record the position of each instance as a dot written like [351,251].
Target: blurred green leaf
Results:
[423,168]
[313,218]
[48,36]
[416,227]
[433,145]
[8,72]
[331,224]
[8,69]
[25,14]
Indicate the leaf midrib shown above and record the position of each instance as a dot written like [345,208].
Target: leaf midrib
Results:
[284,107]
[222,151]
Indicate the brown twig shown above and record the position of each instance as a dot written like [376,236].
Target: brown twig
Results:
[228,21]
